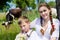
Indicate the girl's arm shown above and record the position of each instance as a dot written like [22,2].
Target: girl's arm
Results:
[55,34]
[33,23]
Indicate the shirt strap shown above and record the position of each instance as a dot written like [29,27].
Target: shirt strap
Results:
[29,34]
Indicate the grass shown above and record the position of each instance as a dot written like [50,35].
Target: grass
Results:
[14,29]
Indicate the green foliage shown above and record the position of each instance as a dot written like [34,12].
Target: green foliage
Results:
[14,29]
[21,4]
[52,4]
[2,17]
[25,3]
[2,3]
[41,1]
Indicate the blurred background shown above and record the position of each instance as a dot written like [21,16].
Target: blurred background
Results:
[29,9]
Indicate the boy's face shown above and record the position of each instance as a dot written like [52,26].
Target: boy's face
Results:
[25,26]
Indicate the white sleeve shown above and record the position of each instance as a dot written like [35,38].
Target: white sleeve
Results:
[34,36]
[56,32]
[32,24]
[17,37]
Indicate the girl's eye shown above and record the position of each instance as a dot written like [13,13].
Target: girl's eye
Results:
[40,11]
[44,10]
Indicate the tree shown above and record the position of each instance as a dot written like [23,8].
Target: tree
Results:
[3,3]
[25,3]
[52,4]
[40,1]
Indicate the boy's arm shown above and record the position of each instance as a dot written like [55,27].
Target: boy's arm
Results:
[17,37]
[20,37]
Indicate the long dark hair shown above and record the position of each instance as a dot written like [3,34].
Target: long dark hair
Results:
[46,5]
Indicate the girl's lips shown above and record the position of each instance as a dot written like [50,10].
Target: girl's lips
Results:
[44,15]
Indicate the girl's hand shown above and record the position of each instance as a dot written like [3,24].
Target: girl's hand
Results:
[52,30]
[42,31]
[54,38]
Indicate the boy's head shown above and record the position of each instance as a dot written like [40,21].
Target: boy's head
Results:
[24,23]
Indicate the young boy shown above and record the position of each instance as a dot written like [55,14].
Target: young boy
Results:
[26,32]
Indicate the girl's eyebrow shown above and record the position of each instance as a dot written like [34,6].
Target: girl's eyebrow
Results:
[42,11]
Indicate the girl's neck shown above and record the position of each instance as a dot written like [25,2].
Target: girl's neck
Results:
[46,20]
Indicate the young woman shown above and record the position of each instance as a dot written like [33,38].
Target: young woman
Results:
[46,27]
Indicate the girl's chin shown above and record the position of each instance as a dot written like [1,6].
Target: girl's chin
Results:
[45,17]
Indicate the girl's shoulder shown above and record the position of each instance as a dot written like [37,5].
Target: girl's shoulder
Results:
[35,22]
[37,19]
[55,20]
[56,23]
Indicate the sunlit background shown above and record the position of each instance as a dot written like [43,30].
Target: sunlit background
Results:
[29,9]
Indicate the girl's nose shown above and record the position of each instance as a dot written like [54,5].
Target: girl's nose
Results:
[43,12]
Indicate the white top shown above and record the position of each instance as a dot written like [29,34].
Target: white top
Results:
[32,36]
[37,25]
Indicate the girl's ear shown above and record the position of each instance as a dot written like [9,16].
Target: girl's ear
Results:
[50,11]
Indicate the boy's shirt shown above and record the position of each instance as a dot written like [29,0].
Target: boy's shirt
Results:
[31,35]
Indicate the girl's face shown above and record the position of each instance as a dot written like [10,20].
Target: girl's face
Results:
[44,12]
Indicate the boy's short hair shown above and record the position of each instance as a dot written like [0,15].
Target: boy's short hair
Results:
[23,19]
